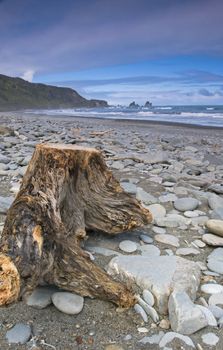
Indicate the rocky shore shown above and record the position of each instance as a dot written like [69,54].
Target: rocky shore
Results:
[175,265]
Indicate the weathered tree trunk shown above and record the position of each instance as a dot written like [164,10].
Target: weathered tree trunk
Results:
[66,192]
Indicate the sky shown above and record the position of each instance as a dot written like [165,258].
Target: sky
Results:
[165,51]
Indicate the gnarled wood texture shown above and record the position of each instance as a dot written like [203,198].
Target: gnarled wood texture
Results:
[66,192]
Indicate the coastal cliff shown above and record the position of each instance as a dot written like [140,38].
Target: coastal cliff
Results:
[16,93]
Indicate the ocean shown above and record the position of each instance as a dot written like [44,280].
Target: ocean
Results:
[194,115]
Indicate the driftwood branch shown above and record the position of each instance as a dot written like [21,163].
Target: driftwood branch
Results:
[66,193]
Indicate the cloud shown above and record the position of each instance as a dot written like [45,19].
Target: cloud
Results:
[201,76]
[28,75]
[206,92]
[186,86]
[81,34]
[183,77]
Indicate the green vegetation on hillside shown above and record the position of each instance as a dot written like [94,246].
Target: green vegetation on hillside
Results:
[16,93]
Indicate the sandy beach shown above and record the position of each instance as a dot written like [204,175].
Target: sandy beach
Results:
[159,163]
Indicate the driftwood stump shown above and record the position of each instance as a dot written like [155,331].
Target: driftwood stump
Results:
[67,191]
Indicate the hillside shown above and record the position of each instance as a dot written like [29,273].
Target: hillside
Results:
[16,93]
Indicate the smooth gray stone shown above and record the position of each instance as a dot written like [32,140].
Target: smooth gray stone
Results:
[215,226]
[191,214]
[213,240]
[146,239]
[216,299]
[13,166]
[216,311]
[215,201]
[19,334]
[158,230]
[191,149]
[5,203]
[211,288]
[169,336]
[154,339]
[159,274]
[168,184]
[31,144]
[156,157]
[148,297]
[4,159]
[200,220]
[198,243]
[127,337]
[210,339]
[13,140]
[139,310]
[209,315]
[102,251]
[4,166]
[168,239]
[211,273]
[215,260]
[150,311]
[68,303]
[41,297]
[128,246]
[187,251]
[217,213]
[217,188]
[129,187]
[145,197]
[157,210]
[172,221]
[170,197]
[185,204]
[216,254]
[185,317]
[149,250]
[22,170]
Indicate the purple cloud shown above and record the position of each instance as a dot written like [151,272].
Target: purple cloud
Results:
[74,35]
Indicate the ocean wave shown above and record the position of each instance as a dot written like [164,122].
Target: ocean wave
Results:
[163,108]
[148,113]
[188,115]
[199,114]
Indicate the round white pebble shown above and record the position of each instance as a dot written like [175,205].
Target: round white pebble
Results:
[68,303]
[191,214]
[128,246]
[159,230]
[210,339]
[142,329]
[212,288]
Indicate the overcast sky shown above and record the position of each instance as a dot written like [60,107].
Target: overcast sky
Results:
[167,51]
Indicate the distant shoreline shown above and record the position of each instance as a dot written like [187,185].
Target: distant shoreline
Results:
[120,120]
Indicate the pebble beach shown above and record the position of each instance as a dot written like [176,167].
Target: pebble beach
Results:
[174,265]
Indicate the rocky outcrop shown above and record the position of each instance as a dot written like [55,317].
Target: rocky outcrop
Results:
[133,105]
[148,104]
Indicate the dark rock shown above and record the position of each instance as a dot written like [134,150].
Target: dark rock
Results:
[133,105]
